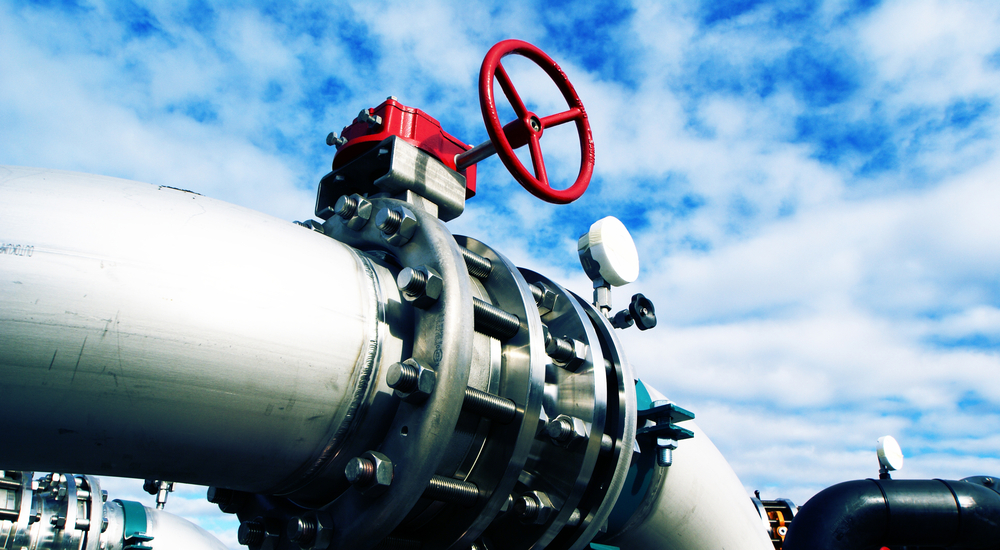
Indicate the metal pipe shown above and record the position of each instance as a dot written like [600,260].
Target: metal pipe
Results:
[698,503]
[871,513]
[154,332]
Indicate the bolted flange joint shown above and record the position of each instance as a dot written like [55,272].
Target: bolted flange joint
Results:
[370,473]
[420,285]
[354,210]
[397,224]
[412,381]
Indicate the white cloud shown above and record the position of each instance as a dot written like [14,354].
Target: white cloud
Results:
[935,47]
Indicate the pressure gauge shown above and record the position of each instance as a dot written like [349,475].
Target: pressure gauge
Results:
[608,253]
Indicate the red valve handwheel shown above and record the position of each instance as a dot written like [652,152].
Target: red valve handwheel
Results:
[528,127]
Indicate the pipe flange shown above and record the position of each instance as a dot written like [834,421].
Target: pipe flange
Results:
[508,445]
[416,439]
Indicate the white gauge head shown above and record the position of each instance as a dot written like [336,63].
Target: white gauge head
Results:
[613,249]
[890,456]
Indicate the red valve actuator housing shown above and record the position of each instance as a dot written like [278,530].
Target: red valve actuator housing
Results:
[410,124]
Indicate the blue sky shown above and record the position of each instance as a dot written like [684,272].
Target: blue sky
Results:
[812,185]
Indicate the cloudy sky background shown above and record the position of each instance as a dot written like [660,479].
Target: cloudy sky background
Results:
[812,185]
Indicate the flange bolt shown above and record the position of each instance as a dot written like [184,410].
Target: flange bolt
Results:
[360,471]
[560,429]
[397,224]
[370,473]
[412,281]
[388,220]
[420,285]
[412,381]
[478,266]
[301,530]
[493,321]
[346,206]
[251,533]
[526,507]
[402,377]
[333,139]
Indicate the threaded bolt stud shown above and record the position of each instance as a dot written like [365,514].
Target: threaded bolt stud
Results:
[402,377]
[301,530]
[447,489]
[665,456]
[346,206]
[491,406]
[559,429]
[537,293]
[526,507]
[388,220]
[478,266]
[360,471]
[412,281]
[493,321]
[250,533]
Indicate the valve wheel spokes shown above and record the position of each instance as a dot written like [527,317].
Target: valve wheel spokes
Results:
[527,128]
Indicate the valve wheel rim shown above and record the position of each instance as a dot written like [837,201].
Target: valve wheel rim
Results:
[530,127]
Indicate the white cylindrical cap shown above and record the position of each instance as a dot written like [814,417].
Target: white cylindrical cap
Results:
[613,249]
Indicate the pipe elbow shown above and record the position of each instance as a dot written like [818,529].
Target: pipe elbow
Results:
[839,517]
[873,513]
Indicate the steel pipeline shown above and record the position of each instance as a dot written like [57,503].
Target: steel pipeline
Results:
[154,332]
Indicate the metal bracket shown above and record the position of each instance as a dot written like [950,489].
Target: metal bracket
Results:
[666,417]
[135,525]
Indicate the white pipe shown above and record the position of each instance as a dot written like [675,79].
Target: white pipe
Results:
[698,504]
[149,331]
[172,532]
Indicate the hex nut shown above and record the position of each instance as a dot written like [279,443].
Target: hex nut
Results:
[548,301]
[382,477]
[566,351]
[323,536]
[426,379]
[567,431]
[262,532]
[662,443]
[383,470]
[397,224]
[534,507]
[362,212]
[421,286]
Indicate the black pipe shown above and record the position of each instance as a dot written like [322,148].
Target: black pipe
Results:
[870,514]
